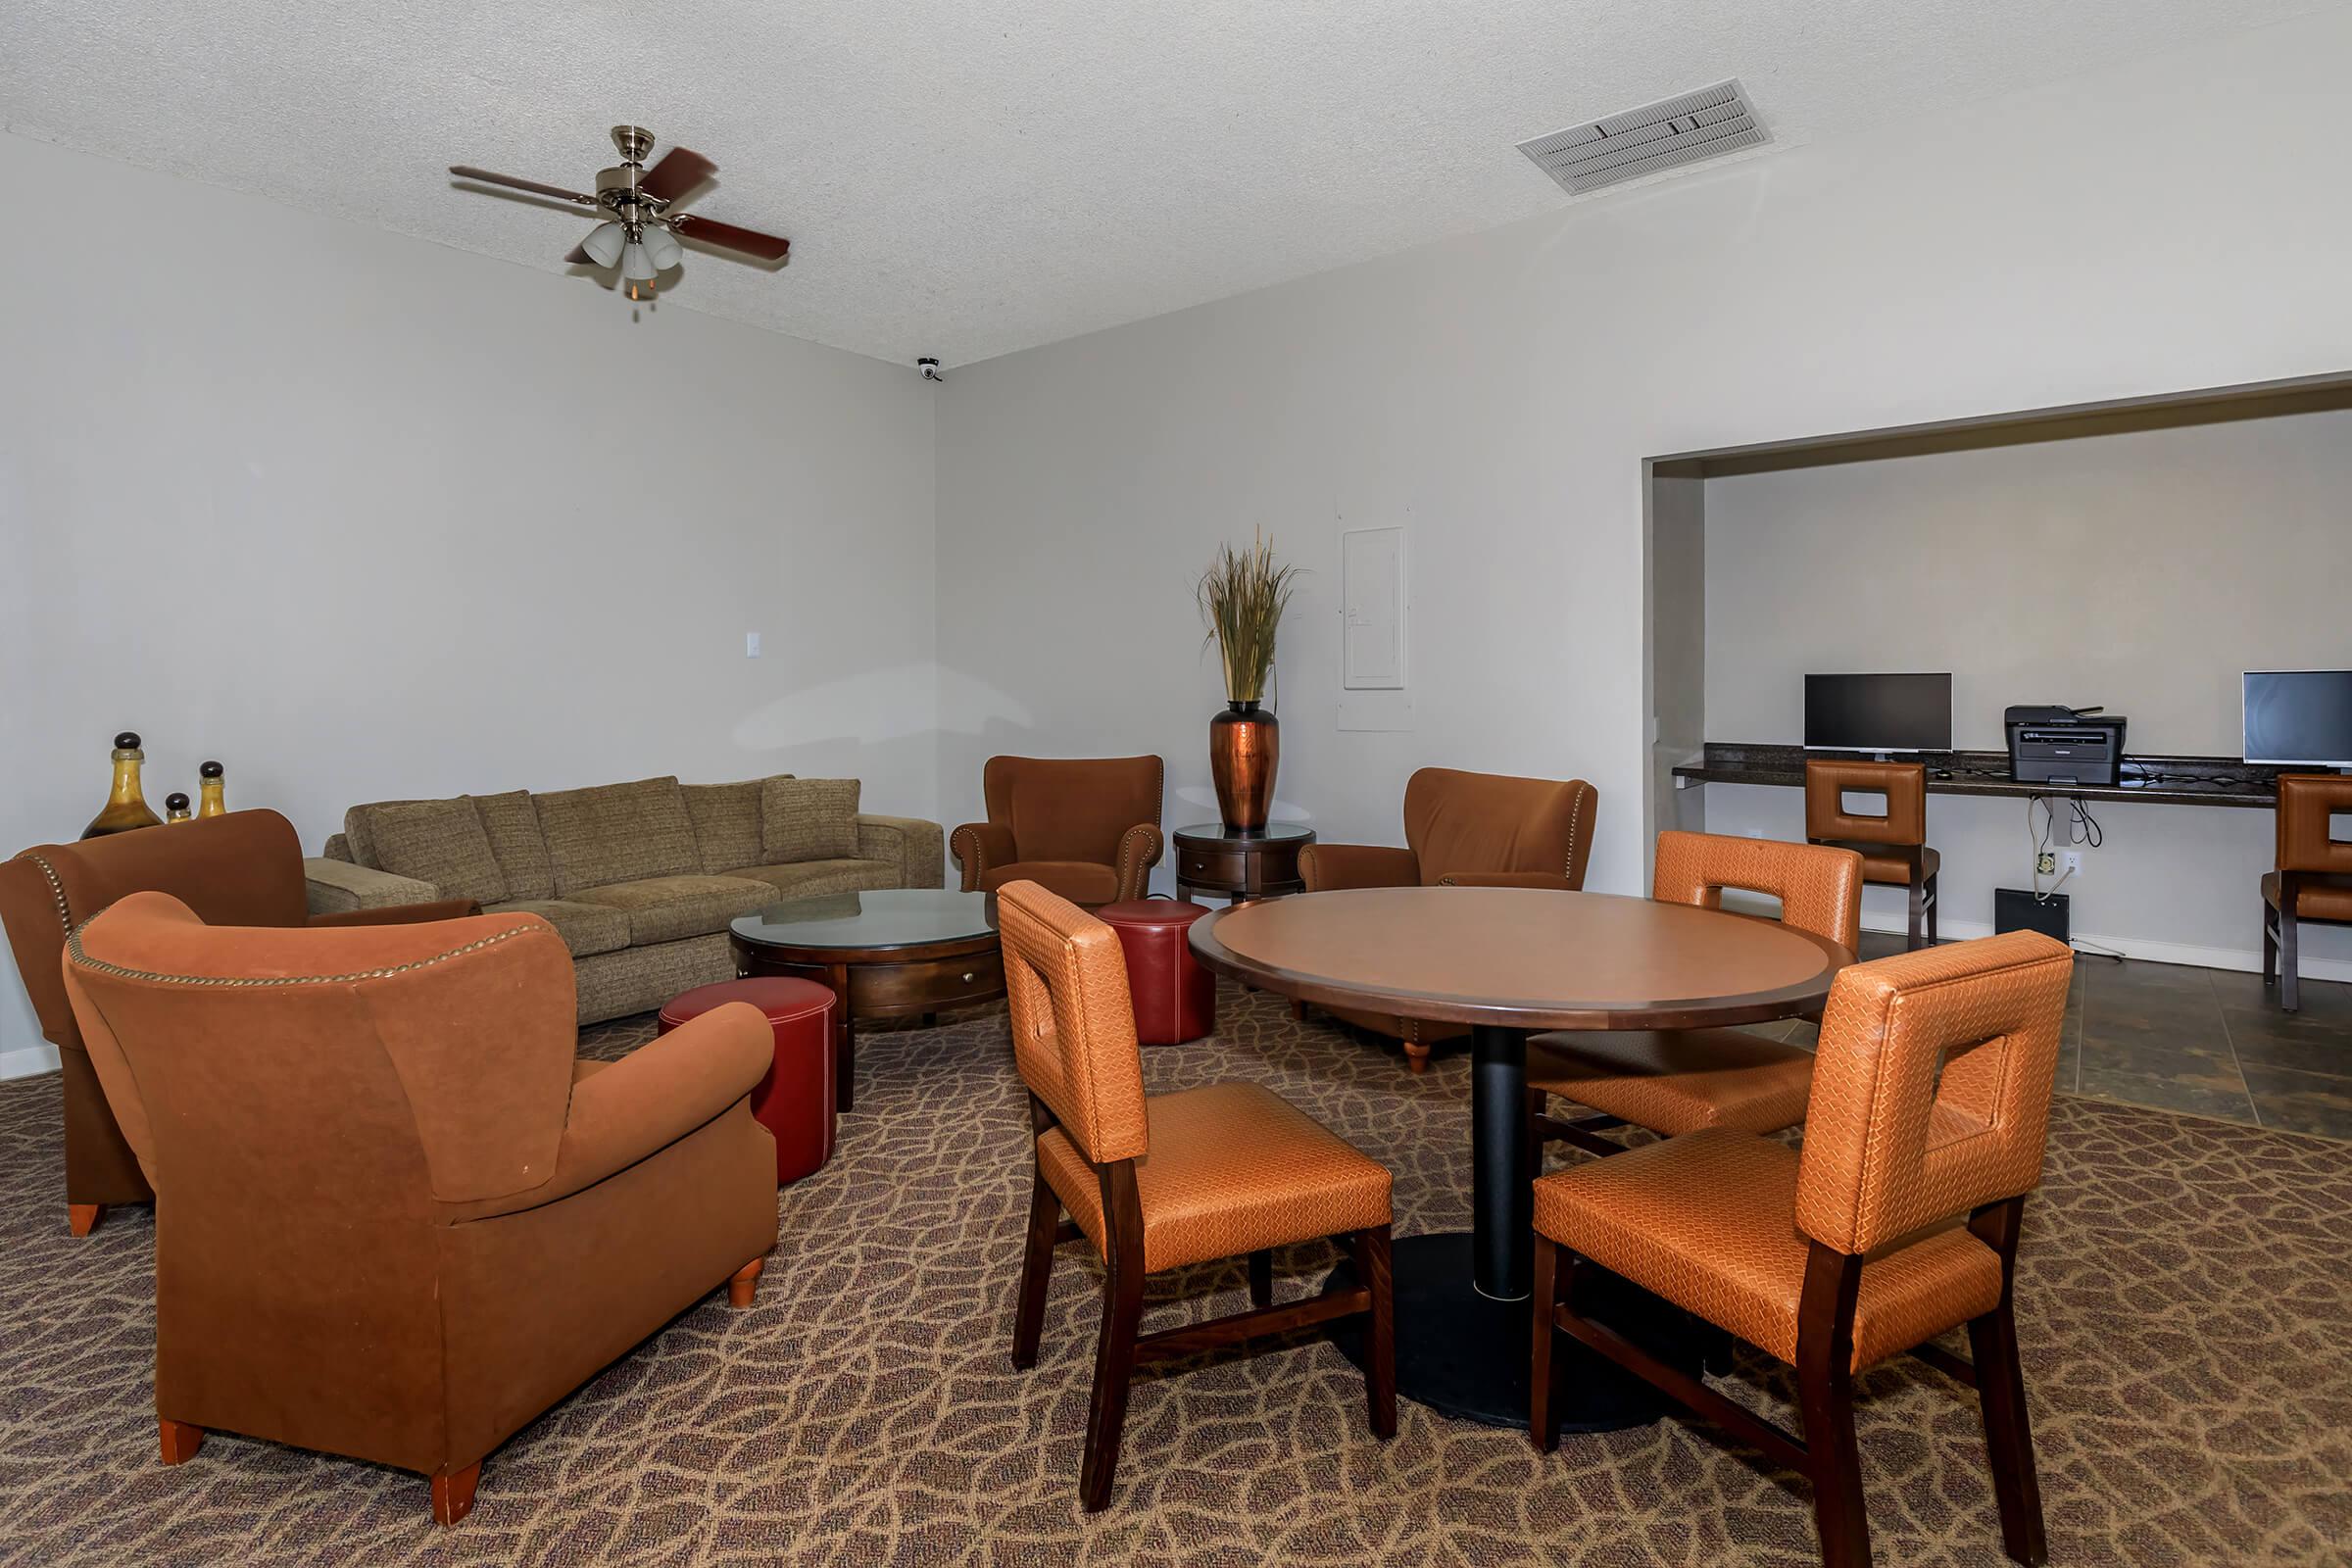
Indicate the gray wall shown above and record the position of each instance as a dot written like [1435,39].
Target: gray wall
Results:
[2145,572]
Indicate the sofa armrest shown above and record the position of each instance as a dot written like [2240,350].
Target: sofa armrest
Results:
[978,846]
[646,1102]
[401,913]
[1140,848]
[916,847]
[1506,879]
[1325,866]
[337,887]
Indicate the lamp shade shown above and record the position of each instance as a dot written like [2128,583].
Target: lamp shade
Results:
[661,247]
[635,264]
[604,243]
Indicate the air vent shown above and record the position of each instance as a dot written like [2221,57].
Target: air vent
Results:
[1670,134]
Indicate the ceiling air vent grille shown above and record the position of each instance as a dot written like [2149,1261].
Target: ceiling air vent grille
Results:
[1669,134]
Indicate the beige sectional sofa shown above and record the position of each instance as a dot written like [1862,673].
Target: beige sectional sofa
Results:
[639,880]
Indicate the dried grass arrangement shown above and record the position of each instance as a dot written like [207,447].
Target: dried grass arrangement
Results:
[1241,598]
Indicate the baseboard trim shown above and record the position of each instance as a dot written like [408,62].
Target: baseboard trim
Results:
[2244,960]
[29,1061]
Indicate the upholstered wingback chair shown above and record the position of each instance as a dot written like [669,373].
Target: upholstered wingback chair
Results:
[244,868]
[1464,830]
[400,1219]
[1084,828]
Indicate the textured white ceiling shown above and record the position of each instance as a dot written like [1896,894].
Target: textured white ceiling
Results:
[965,177]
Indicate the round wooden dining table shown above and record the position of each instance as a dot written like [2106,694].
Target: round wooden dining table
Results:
[1511,962]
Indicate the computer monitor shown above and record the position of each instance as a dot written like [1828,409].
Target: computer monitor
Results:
[2299,717]
[1879,712]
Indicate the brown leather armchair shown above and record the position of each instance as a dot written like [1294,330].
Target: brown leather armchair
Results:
[2313,880]
[1464,830]
[1893,845]
[244,868]
[1084,828]
[403,1219]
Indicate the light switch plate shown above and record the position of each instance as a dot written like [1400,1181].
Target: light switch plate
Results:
[750,645]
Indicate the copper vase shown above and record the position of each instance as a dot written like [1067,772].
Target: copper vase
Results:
[1244,742]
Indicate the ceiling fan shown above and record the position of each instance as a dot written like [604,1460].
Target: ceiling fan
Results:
[639,233]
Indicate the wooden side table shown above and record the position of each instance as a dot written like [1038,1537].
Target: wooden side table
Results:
[1240,867]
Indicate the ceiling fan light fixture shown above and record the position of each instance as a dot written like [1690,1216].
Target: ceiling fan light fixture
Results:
[661,247]
[635,265]
[604,243]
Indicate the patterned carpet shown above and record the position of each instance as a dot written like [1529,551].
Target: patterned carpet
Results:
[2186,1303]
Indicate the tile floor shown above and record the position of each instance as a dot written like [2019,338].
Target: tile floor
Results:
[2208,1042]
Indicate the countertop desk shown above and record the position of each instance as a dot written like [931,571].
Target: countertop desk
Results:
[2153,780]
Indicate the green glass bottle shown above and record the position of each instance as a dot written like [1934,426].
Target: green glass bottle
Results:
[208,791]
[126,804]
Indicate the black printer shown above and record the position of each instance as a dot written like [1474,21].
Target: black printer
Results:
[2058,744]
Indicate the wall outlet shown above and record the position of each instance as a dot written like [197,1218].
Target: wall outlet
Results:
[2045,864]
[2071,862]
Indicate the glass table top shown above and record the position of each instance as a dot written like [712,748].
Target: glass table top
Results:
[1279,832]
[887,918]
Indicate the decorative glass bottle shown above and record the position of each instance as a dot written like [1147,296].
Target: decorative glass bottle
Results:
[126,805]
[208,791]
[176,809]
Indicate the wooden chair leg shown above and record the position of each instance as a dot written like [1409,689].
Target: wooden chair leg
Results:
[1918,915]
[1037,1270]
[1934,904]
[1835,1461]
[1544,1299]
[1114,1369]
[1371,1252]
[1261,1279]
[744,1286]
[2269,948]
[453,1493]
[2008,1435]
[83,1218]
[180,1440]
[2288,963]
[1298,1009]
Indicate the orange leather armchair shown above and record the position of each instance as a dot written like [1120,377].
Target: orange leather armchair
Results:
[1464,830]
[2313,880]
[1084,828]
[1930,1104]
[244,868]
[403,1220]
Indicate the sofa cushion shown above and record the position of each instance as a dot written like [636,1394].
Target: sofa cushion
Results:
[726,823]
[440,842]
[617,833]
[808,820]
[513,823]
[585,928]
[665,908]
[807,879]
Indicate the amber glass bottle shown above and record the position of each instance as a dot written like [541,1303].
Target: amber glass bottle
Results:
[208,791]
[126,805]
[176,809]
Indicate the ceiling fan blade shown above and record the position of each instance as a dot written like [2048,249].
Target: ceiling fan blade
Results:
[727,236]
[677,173]
[468,171]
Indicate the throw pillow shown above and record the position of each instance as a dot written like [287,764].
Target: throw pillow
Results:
[808,820]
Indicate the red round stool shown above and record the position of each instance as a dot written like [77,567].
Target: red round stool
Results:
[795,1101]
[1175,998]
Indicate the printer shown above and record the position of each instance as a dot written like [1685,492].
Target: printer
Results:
[2059,745]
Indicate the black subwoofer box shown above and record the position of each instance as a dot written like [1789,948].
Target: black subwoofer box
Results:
[2018,910]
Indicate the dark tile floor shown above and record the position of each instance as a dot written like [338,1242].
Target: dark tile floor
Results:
[2208,1042]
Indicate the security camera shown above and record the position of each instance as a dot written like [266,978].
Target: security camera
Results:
[930,369]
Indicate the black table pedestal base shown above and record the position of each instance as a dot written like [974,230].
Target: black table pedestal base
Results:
[1465,1356]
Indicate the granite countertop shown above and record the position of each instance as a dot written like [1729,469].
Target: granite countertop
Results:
[2155,780]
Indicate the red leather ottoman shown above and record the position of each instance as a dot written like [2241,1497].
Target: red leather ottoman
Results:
[795,1101]
[1175,998]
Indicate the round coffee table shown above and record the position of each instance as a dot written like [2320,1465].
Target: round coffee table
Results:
[1509,962]
[893,952]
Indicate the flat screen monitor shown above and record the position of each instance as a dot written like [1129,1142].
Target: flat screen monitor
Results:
[1879,712]
[2299,717]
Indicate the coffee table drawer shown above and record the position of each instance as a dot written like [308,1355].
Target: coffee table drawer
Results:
[931,985]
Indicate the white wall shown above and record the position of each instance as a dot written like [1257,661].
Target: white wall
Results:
[365,516]
[2141,571]
[1497,394]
